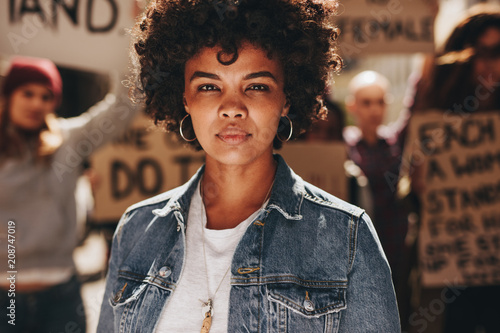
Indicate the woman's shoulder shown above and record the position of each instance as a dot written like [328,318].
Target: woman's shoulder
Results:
[316,196]
[155,202]
[175,199]
[296,195]
[137,217]
[345,216]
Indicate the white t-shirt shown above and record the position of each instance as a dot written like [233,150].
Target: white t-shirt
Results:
[183,312]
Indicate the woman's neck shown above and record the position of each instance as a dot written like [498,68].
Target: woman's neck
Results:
[232,193]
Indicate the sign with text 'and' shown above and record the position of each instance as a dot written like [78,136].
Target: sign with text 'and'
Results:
[85,34]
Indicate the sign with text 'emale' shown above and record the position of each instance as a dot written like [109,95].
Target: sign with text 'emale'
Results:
[385,26]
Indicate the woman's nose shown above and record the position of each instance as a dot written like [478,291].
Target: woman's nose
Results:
[233,106]
[37,102]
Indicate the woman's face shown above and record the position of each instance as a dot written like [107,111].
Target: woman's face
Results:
[29,104]
[487,62]
[235,109]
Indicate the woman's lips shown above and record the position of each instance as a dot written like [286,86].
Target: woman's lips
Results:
[233,135]
[35,116]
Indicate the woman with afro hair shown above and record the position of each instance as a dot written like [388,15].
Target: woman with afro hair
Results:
[246,245]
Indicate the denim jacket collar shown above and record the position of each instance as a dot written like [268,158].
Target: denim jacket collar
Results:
[287,202]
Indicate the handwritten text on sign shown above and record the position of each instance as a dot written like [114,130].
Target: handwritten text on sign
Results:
[385,26]
[86,34]
[142,163]
[460,226]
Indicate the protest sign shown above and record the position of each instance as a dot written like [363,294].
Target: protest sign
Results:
[457,157]
[321,164]
[385,26]
[86,34]
[141,163]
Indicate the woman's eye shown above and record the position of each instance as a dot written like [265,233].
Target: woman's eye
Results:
[208,87]
[47,98]
[258,87]
[28,93]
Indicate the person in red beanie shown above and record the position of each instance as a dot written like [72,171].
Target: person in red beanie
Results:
[41,159]
[31,91]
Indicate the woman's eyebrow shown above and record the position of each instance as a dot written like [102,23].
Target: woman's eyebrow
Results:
[260,74]
[250,76]
[205,75]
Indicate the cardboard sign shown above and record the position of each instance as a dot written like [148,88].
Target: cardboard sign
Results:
[385,26]
[321,164]
[85,34]
[145,161]
[458,159]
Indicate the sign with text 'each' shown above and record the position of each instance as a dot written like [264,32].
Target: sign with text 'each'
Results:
[457,159]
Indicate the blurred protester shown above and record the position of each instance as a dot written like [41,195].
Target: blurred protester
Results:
[468,65]
[461,79]
[376,149]
[41,160]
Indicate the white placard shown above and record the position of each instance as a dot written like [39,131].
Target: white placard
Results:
[457,157]
[83,34]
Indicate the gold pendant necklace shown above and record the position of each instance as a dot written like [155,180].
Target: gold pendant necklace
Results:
[207,307]
[207,322]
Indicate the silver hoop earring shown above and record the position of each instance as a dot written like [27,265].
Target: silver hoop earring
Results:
[180,129]
[291,131]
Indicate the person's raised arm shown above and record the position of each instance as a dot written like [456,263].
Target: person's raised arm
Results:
[102,122]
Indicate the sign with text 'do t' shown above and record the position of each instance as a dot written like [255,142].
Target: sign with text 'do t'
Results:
[141,163]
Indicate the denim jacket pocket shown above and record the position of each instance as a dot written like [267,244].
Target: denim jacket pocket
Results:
[301,308]
[126,289]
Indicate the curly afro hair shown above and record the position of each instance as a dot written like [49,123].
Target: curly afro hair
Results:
[298,32]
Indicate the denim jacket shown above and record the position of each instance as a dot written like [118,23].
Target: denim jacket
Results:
[308,263]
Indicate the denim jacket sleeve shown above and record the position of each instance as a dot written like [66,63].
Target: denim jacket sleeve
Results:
[370,294]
